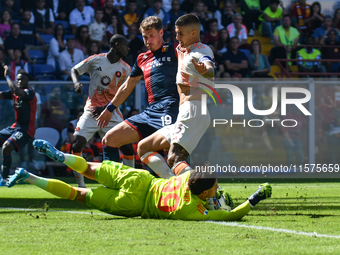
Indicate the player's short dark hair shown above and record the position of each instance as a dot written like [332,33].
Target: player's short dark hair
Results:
[188,19]
[117,38]
[23,72]
[151,22]
[200,181]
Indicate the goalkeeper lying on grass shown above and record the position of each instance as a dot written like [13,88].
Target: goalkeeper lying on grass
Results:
[130,192]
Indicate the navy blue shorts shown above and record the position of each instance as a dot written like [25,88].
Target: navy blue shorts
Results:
[154,117]
[16,136]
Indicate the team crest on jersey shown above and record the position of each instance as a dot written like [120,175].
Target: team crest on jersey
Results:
[118,74]
[165,48]
[106,80]
[78,128]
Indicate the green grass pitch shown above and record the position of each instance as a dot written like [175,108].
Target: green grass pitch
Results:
[302,217]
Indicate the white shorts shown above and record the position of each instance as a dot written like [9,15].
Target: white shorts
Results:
[87,125]
[189,127]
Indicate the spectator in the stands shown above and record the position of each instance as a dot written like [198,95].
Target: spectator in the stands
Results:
[115,27]
[119,5]
[54,112]
[174,14]
[42,17]
[323,30]
[109,11]
[271,18]
[300,13]
[251,10]
[218,61]
[309,52]
[188,6]
[69,58]
[235,61]
[29,32]
[5,24]
[259,66]
[225,15]
[331,52]
[82,15]
[213,6]
[57,45]
[11,8]
[237,29]
[82,38]
[316,18]
[94,48]
[59,9]
[157,10]
[286,39]
[136,43]
[212,34]
[97,29]
[17,64]
[131,16]
[2,45]
[2,63]
[336,19]
[97,4]
[222,43]
[26,4]
[15,41]
[202,14]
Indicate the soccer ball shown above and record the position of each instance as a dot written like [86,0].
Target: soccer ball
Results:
[222,201]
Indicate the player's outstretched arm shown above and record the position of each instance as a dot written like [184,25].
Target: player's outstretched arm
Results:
[15,90]
[75,78]
[123,92]
[206,68]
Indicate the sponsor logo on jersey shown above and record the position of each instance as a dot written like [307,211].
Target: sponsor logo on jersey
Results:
[99,68]
[145,56]
[106,80]
[165,48]
[118,74]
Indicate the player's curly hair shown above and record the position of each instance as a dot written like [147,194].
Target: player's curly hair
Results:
[151,22]
[188,20]
[200,181]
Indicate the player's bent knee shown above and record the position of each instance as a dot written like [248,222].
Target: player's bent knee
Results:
[7,148]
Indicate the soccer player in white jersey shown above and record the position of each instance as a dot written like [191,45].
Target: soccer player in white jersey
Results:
[107,71]
[195,70]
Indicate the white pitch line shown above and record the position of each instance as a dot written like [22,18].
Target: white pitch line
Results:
[231,224]
[280,230]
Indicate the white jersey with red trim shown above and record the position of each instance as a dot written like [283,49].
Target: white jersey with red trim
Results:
[187,73]
[106,78]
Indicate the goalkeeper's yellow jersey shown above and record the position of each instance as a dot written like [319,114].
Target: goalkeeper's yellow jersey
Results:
[172,199]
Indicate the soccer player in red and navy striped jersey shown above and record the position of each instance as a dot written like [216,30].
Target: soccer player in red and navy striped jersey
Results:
[22,130]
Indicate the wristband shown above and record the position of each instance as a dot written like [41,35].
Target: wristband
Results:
[8,77]
[110,107]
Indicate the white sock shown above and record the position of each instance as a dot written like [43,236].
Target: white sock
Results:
[129,161]
[157,163]
[181,167]
[79,179]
